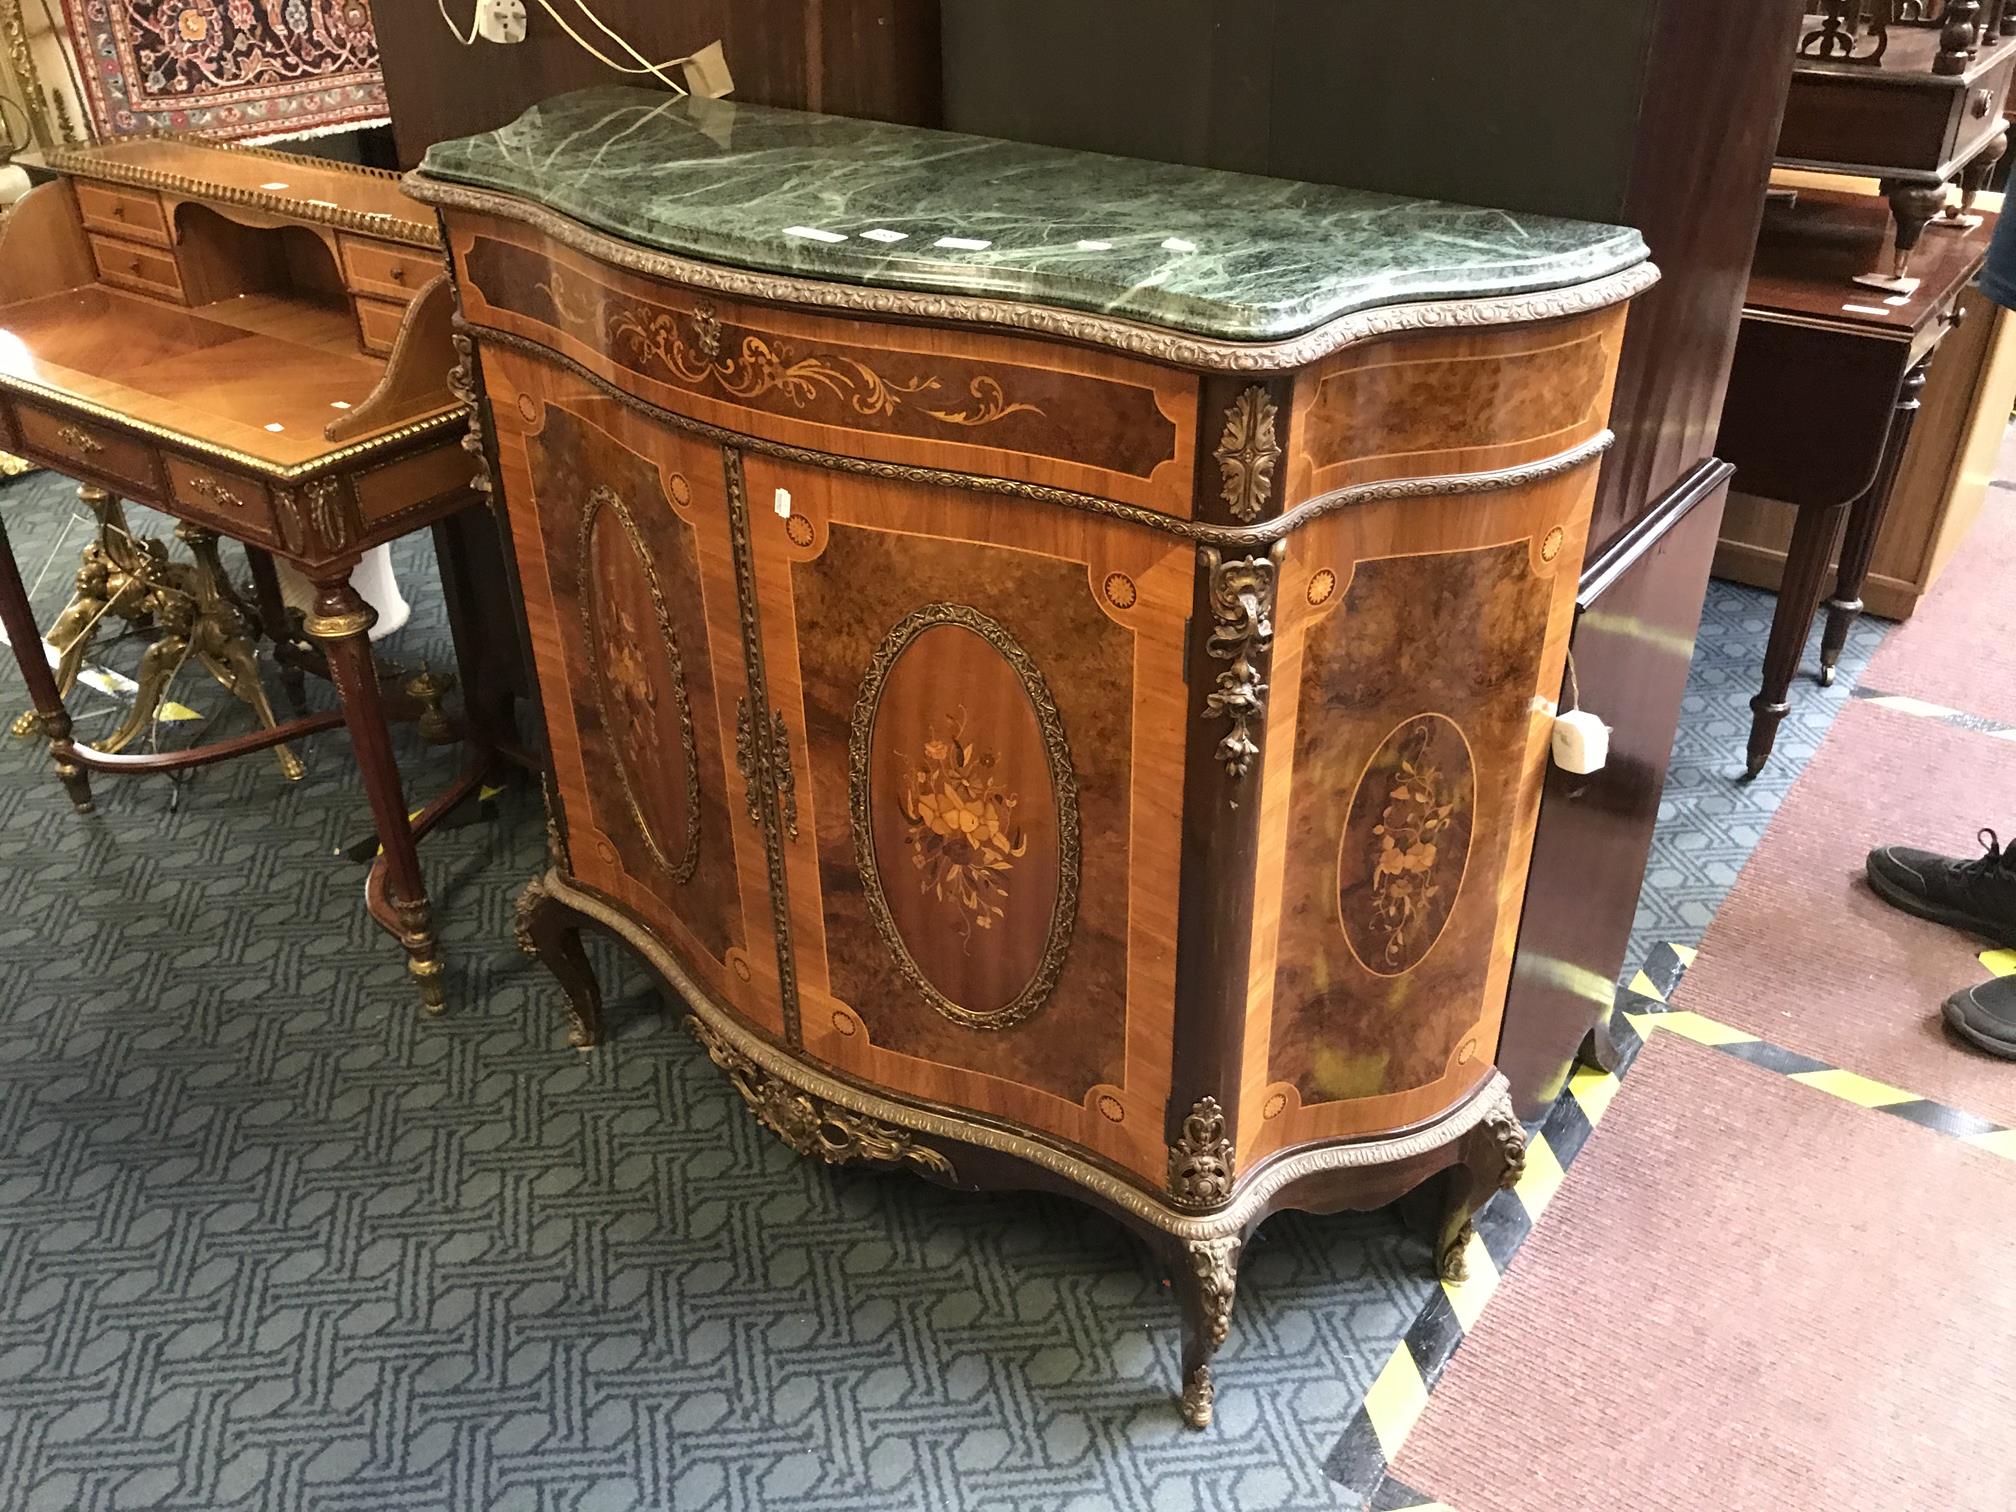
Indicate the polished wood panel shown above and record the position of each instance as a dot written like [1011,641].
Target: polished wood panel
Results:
[1903,116]
[1064,622]
[1403,771]
[558,441]
[233,503]
[1637,612]
[989,404]
[378,323]
[873,58]
[132,214]
[385,272]
[1460,402]
[145,270]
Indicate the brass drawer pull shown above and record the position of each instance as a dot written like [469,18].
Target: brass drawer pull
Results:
[78,442]
[118,212]
[398,273]
[217,493]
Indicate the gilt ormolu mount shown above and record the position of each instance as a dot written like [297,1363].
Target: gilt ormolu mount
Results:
[1113,653]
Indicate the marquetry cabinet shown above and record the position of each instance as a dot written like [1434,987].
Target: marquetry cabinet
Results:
[1047,656]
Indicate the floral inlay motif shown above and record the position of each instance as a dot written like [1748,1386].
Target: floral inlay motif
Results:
[963,835]
[1406,869]
[753,367]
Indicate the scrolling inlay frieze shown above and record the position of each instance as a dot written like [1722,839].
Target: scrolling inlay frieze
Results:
[655,339]
[885,389]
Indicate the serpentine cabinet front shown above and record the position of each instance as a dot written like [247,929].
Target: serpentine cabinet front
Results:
[964,766]
[940,699]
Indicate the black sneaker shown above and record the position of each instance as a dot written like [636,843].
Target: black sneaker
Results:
[1986,1016]
[1979,895]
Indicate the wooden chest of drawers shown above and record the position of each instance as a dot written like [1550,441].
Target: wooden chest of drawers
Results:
[1064,706]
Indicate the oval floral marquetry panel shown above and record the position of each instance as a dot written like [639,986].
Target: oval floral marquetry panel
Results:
[1406,844]
[640,683]
[965,814]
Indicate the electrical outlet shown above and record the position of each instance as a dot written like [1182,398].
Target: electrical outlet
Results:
[501,20]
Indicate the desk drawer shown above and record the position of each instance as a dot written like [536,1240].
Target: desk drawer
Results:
[136,214]
[145,270]
[232,503]
[388,272]
[378,322]
[82,448]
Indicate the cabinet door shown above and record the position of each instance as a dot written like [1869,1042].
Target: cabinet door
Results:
[982,703]
[620,527]
[1418,643]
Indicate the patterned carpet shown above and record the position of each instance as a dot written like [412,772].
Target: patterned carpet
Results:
[269,1240]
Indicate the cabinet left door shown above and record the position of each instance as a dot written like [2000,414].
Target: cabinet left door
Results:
[620,528]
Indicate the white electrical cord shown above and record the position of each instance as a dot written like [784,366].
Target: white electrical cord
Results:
[644,65]
[456,31]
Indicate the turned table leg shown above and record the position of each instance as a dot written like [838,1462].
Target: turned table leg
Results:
[1207,1274]
[550,931]
[1813,535]
[339,625]
[1975,177]
[1913,206]
[277,626]
[1865,523]
[19,617]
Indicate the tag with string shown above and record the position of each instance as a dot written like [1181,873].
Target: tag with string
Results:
[1581,741]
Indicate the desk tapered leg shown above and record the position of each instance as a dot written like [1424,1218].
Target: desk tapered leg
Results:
[1813,536]
[1865,522]
[339,625]
[18,615]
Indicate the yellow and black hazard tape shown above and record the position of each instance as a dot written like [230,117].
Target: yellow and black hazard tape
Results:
[1399,1394]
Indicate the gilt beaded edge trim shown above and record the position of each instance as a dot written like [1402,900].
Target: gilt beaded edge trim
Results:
[1493,1099]
[1154,342]
[81,162]
[1230,537]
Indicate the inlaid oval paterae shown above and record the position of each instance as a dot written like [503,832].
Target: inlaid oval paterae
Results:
[965,815]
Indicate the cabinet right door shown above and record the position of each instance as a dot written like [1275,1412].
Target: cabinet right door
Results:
[979,703]
[1418,644]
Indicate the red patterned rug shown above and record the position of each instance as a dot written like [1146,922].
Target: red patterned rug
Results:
[227,68]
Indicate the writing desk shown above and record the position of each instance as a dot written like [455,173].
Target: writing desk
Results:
[259,346]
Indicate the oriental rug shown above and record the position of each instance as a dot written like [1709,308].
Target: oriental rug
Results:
[227,69]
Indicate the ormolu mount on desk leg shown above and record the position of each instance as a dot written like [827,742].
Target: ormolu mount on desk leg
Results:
[192,604]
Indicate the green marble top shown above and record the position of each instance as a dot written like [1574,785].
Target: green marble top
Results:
[1228,255]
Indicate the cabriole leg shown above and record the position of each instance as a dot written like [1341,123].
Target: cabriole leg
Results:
[1206,1277]
[1493,1160]
[550,931]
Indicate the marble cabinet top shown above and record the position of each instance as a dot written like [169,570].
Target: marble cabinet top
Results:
[1226,255]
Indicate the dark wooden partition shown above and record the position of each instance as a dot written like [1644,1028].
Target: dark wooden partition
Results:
[1661,114]
[876,58]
